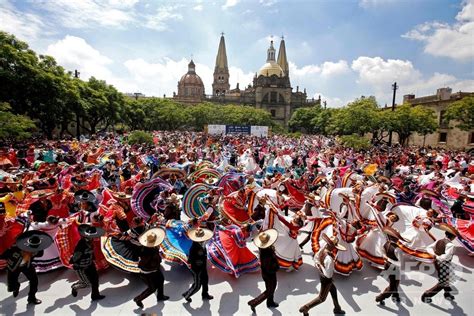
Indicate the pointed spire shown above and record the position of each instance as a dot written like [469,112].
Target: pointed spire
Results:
[221,59]
[282,59]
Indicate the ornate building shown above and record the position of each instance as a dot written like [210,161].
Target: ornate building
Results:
[190,87]
[270,89]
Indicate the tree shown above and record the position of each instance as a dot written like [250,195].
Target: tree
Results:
[358,117]
[14,126]
[463,112]
[307,119]
[407,119]
[140,137]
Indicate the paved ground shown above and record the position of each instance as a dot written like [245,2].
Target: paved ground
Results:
[356,293]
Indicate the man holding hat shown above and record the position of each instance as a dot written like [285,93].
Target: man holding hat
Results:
[269,266]
[392,258]
[149,264]
[443,250]
[324,261]
[198,261]
[83,261]
[19,258]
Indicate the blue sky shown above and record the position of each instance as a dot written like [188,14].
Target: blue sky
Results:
[340,49]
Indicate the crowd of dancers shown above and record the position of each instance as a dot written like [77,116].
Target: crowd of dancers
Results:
[194,199]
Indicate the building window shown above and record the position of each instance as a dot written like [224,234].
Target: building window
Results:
[273,113]
[443,122]
[273,97]
[471,138]
[443,137]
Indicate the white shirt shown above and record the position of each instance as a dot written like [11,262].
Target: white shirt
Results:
[448,253]
[327,268]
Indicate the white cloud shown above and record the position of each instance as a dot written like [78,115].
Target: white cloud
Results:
[377,75]
[75,53]
[237,75]
[441,39]
[330,68]
[89,13]
[376,71]
[158,78]
[229,4]
[25,26]
[307,70]
[198,7]
[159,21]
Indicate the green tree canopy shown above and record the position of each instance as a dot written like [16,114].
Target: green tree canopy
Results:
[463,112]
[14,126]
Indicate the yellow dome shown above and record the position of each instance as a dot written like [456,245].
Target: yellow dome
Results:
[270,68]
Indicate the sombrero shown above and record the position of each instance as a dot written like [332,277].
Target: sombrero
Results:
[211,180]
[199,234]
[448,228]
[78,182]
[152,237]
[33,241]
[266,238]
[121,195]
[393,233]
[333,242]
[429,192]
[84,196]
[40,194]
[384,179]
[86,230]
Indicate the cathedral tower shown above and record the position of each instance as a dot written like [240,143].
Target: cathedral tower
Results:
[221,85]
[282,60]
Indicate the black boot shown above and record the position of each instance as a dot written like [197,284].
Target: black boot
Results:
[33,300]
[206,296]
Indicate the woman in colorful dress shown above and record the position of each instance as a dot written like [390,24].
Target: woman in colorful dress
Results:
[228,251]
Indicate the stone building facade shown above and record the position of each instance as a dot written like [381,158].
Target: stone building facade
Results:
[448,135]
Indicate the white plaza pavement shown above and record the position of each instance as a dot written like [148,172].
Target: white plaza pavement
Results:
[356,293]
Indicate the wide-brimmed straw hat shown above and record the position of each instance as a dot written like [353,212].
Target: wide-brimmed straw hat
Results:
[121,195]
[384,179]
[152,237]
[40,194]
[33,241]
[199,234]
[393,233]
[448,228]
[266,238]
[333,242]
[86,230]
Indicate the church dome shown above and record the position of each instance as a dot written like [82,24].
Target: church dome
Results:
[269,69]
[191,77]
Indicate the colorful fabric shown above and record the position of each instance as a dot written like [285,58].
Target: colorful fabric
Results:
[227,250]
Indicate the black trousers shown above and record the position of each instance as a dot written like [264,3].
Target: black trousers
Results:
[88,277]
[270,280]
[394,282]
[200,278]
[155,282]
[30,273]
[443,280]
[327,286]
